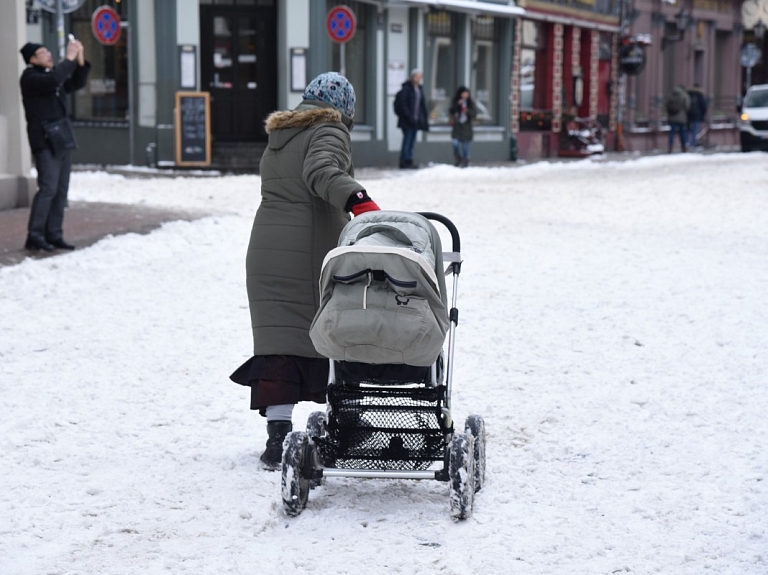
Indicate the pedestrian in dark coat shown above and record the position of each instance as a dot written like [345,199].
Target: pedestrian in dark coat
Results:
[43,90]
[307,189]
[697,112]
[412,116]
[463,113]
[677,105]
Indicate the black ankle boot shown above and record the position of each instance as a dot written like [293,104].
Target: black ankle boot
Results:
[272,457]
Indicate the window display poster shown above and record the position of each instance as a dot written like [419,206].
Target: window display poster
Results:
[188,61]
[396,75]
[298,69]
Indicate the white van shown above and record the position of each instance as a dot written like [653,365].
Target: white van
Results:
[753,119]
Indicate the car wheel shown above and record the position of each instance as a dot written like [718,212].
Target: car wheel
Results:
[745,145]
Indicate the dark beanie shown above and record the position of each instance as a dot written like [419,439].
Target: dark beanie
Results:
[28,50]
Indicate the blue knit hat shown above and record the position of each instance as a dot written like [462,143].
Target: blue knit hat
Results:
[334,89]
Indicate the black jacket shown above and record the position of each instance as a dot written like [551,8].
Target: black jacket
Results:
[43,93]
[462,131]
[409,115]
[698,109]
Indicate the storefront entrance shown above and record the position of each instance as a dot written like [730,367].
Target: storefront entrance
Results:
[239,69]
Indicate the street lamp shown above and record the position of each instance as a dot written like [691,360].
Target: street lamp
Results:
[759,30]
[683,20]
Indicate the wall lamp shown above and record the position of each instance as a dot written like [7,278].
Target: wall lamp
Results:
[759,30]
[683,21]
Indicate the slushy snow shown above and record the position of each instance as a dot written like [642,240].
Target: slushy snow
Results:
[613,333]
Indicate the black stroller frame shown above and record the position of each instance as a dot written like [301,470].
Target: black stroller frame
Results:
[391,421]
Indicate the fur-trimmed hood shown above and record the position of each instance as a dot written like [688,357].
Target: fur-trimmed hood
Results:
[282,126]
[299,118]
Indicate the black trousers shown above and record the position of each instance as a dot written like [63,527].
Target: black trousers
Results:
[47,214]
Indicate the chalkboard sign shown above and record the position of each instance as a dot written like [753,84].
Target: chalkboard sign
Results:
[193,129]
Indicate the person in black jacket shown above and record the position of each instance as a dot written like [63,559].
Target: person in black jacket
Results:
[697,112]
[43,89]
[462,115]
[412,116]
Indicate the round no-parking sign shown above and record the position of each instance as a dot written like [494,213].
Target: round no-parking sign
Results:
[341,23]
[105,24]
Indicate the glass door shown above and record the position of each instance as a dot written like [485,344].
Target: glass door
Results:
[239,69]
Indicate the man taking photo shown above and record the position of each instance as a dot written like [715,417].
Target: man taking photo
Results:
[43,90]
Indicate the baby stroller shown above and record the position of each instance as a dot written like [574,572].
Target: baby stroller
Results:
[383,321]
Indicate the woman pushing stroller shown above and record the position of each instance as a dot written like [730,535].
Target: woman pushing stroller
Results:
[307,191]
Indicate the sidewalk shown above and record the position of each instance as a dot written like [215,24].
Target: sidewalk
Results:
[85,223]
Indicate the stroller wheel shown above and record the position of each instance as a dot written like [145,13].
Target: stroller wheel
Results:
[476,426]
[295,487]
[316,424]
[316,429]
[461,475]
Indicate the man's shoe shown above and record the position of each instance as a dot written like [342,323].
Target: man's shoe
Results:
[61,244]
[272,458]
[38,245]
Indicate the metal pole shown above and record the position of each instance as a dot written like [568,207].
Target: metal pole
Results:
[749,76]
[60,28]
[342,60]
[622,103]
[131,129]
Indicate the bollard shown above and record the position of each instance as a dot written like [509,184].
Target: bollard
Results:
[151,153]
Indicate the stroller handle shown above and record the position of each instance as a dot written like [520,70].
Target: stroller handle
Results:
[448,224]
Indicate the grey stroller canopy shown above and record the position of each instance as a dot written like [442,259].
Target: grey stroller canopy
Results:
[382,292]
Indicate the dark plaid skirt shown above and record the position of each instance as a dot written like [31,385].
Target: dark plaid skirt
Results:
[283,379]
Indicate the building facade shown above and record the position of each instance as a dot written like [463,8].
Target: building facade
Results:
[535,69]
[691,42]
[255,56]
[564,73]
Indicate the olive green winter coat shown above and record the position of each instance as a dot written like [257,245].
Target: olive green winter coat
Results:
[677,105]
[306,181]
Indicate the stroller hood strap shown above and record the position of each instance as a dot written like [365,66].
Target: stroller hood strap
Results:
[402,252]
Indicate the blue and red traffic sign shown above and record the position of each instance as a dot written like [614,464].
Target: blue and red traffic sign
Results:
[105,24]
[341,24]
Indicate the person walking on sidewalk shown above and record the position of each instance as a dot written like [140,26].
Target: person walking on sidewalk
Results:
[678,103]
[462,115]
[697,113]
[307,191]
[412,116]
[43,90]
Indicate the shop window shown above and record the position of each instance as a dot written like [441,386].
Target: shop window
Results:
[484,66]
[534,112]
[441,45]
[105,96]
[355,56]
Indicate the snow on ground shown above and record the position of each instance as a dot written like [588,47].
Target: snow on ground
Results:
[613,334]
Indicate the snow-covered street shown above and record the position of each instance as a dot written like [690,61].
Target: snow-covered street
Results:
[613,334]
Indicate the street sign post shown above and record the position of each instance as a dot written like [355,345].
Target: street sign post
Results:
[341,24]
[105,25]
[749,56]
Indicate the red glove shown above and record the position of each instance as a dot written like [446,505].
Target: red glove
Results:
[367,206]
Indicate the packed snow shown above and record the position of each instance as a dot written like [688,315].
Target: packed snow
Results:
[613,334]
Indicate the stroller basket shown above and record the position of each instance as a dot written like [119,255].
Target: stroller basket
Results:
[384,428]
[354,373]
